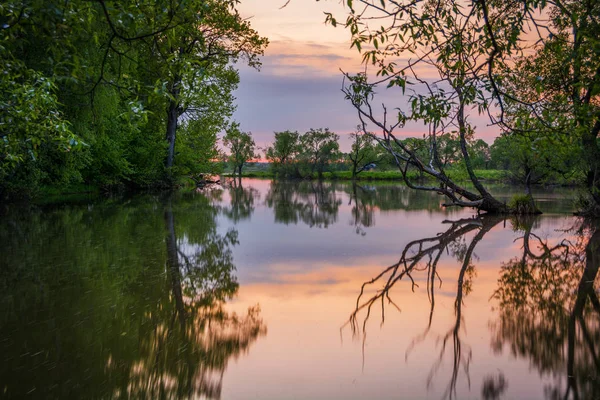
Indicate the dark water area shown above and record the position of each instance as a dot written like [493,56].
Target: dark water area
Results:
[281,290]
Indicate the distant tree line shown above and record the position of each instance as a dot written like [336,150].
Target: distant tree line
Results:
[526,159]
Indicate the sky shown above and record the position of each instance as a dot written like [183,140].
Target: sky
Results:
[299,84]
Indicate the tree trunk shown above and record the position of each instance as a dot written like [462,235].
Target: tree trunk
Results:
[172,116]
[173,113]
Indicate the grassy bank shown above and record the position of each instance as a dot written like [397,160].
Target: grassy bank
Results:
[488,175]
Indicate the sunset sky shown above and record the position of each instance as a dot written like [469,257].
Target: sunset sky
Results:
[298,86]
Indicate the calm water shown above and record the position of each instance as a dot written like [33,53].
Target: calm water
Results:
[265,290]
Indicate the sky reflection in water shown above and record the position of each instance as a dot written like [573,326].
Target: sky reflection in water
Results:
[252,291]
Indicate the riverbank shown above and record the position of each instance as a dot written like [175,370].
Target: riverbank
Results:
[487,175]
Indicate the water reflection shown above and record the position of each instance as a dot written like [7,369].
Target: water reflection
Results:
[120,303]
[550,313]
[314,203]
[241,200]
[363,205]
[549,310]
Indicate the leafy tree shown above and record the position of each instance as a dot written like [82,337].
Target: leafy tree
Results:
[472,49]
[191,61]
[319,148]
[479,151]
[542,95]
[364,151]
[240,145]
[198,151]
[101,75]
[283,153]
[533,157]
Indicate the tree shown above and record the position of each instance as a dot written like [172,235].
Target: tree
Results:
[364,151]
[197,149]
[533,157]
[479,152]
[283,153]
[241,146]
[191,61]
[554,89]
[115,71]
[470,48]
[319,147]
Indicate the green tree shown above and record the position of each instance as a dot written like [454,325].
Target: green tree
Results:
[241,147]
[533,157]
[198,151]
[364,151]
[318,149]
[103,73]
[283,153]
[191,61]
[479,151]
[554,89]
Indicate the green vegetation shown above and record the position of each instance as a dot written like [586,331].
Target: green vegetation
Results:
[490,175]
[116,95]
[241,145]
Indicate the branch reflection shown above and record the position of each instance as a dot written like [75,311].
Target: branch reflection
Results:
[548,304]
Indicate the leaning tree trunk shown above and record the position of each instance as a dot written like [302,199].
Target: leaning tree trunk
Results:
[489,203]
[406,157]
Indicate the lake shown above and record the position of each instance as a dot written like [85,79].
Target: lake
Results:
[298,290]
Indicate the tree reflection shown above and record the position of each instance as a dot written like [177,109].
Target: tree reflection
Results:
[550,313]
[419,260]
[242,200]
[363,209]
[120,317]
[314,203]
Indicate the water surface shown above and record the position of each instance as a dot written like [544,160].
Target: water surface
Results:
[283,290]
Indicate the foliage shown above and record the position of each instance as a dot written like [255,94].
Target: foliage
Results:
[535,158]
[282,154]
[86,85]
[364,151]
[523,204]
[197,151]
[241,147]
[318,149]
[31,121]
